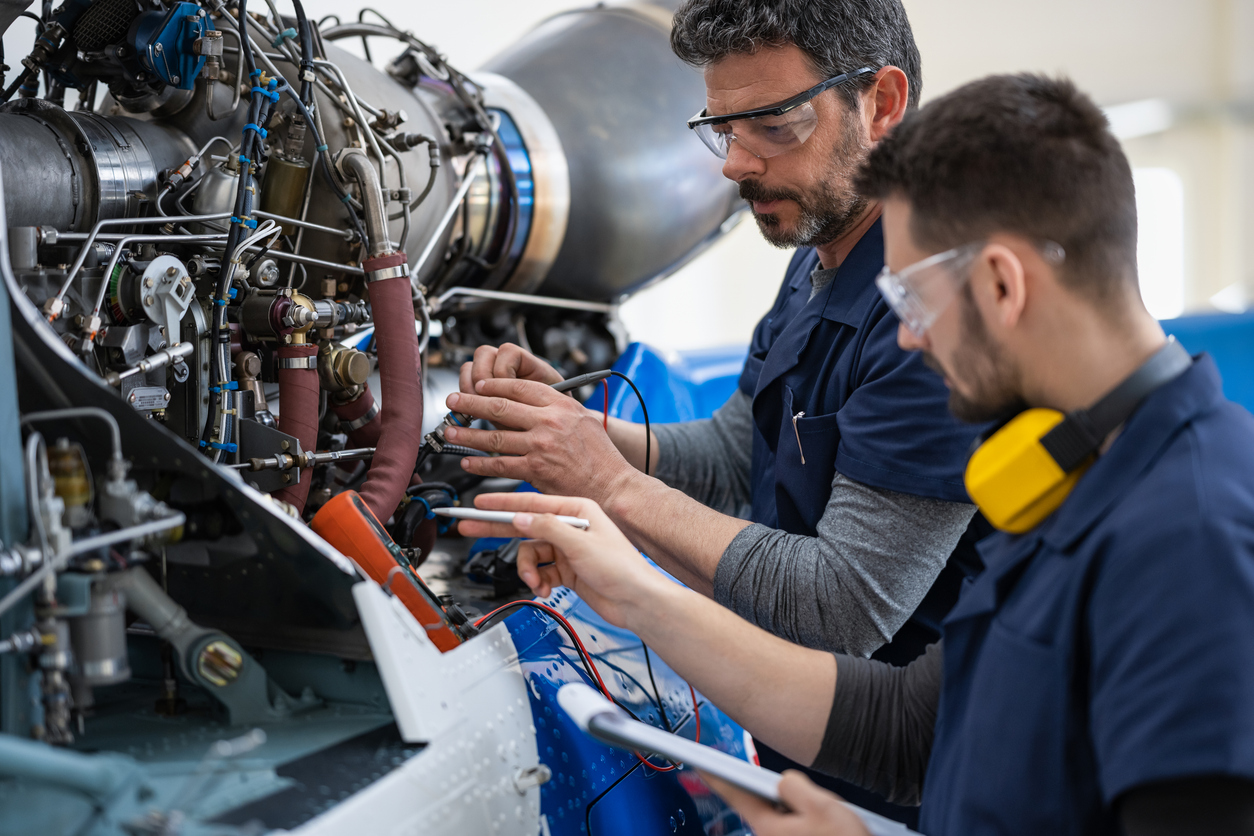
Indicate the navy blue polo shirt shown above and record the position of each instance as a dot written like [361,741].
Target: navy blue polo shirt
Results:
[867,409]
[1112,646]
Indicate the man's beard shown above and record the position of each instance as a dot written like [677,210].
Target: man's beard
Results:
[983,369]
[831,209]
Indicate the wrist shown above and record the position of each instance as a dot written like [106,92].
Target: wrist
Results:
[649,598]
[623,492]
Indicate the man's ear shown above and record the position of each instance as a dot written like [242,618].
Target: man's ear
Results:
[887,101]
[999,284]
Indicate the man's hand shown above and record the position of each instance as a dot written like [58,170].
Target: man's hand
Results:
[812,810]
[509,361]
[553,442]
[599,564]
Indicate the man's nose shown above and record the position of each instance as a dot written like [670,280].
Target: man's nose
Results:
[740,164]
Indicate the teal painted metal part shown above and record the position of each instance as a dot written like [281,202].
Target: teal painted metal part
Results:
[15,704]
[99,776]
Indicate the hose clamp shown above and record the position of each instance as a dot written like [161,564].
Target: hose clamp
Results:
[298,362]
[400,271]
[385,267]
[358,423]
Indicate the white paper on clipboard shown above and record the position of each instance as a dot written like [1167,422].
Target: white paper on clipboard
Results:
[605,721]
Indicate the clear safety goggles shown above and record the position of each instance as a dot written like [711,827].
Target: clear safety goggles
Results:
[767,131]
[919,293]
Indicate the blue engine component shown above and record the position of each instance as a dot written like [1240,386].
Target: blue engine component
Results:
[598,789]
[1229,338]
[163,41]
[681,386]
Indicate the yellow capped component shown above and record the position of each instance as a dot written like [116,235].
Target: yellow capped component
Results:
[1012,478]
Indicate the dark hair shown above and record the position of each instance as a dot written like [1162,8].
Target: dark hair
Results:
[1023,154]
[838,36]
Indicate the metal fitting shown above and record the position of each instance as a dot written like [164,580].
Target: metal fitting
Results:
[219,664]
[341,368]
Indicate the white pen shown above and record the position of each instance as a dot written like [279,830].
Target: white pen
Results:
[498,516]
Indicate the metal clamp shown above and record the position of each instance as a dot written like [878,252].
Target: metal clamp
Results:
[358,423]
[400,271]
[298,362]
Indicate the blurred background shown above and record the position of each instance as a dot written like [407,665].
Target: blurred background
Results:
[1177,80]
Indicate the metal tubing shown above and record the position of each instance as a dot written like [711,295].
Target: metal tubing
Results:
[453,206]
[362,171]
[95,230]
[522,299]
[346,234]
[86,545]
[115,434]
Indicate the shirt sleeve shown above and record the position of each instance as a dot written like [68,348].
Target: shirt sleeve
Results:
[850,588]
[1171,635]
[896,430]
[880,730]
[710,459]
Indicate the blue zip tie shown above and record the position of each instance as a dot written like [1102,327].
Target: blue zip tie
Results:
[230,387]
[274,97]
[245,160]
[254,73]
[230,448]
[321,148]
[260,131]
[427,505]
[285,35]
[251,223]
[346,198]
[221,303]
[231,293]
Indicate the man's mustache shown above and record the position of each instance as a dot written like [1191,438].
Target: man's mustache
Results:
[754,191]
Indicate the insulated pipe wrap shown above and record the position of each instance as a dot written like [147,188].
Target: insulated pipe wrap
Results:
[368,434]
[401,416]
[298,414]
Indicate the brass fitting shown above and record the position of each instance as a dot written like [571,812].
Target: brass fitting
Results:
[341,369]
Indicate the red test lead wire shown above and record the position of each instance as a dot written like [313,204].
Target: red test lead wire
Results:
[587,658]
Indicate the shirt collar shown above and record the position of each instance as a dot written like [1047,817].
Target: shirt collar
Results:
[1155,423]
[853,287]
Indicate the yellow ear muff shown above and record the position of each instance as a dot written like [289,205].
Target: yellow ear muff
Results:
[1013,479]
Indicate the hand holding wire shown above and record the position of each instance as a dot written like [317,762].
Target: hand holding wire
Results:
[557,445]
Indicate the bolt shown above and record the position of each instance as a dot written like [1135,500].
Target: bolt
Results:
[172,271]
[167,397]
[148,300]
[174,79]
[148,282]
[285,446]
[158,48]
[132,397]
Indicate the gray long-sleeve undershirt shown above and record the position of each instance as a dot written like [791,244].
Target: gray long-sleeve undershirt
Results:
[880,730]
[850,588]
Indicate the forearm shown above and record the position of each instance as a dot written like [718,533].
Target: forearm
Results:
[881,724]
[629,438]
[680,534]
[718,653]
[849,589]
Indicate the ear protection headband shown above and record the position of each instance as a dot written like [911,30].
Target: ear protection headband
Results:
[1021,473]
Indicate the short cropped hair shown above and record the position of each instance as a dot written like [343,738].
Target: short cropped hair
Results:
[838,36]
[1021,154]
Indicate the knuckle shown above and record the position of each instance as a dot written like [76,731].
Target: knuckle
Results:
[497,407]
[496,441]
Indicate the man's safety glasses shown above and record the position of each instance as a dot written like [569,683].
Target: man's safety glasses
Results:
[919,293]
[768,131]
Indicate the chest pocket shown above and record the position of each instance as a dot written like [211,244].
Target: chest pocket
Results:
[802,489]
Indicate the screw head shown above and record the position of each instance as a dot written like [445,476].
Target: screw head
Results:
[131,398]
